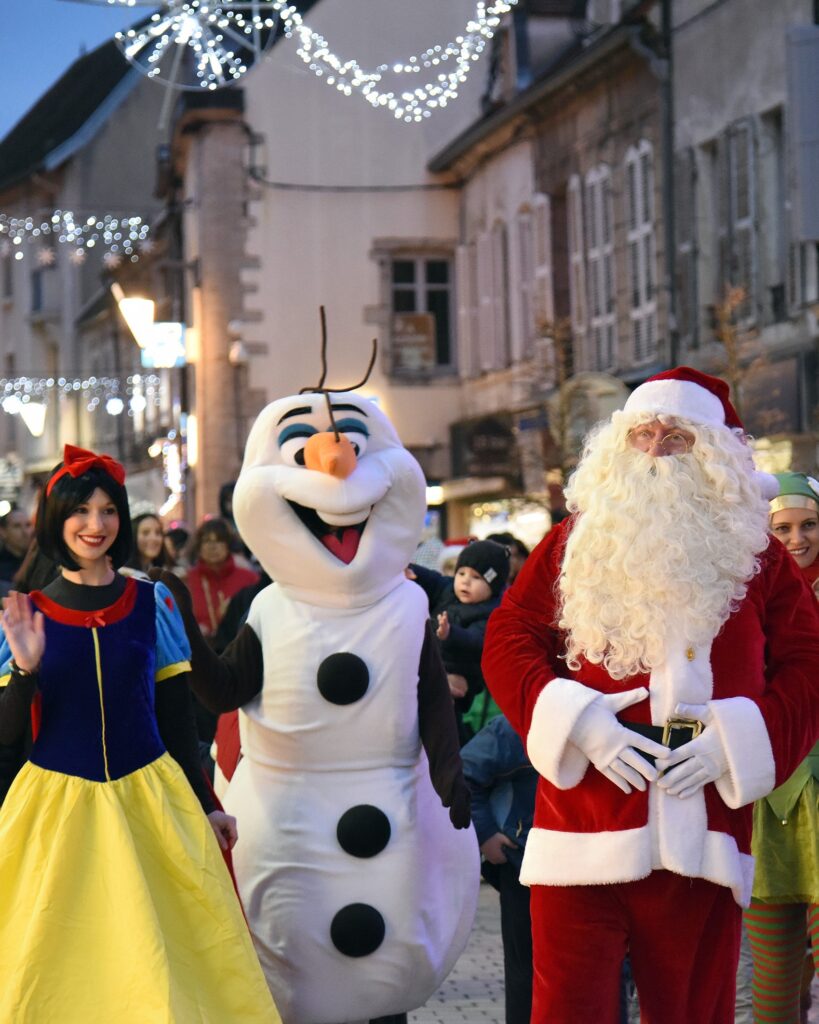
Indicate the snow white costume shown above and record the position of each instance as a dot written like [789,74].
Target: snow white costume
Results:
[115,902]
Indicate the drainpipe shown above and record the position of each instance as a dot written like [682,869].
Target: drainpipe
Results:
[660,60]
[667,106]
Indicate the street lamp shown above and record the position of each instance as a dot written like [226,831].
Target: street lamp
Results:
[137,312]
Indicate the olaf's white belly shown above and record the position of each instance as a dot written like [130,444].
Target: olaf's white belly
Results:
[359,892]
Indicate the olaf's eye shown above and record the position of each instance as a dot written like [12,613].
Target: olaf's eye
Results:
[356,433]
[292,441]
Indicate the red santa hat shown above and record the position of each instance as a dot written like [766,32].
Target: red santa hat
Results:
[698,397]
[686,393]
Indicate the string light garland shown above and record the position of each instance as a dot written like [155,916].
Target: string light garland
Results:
[137,391]
[226,37]
[120,237]
[406,104]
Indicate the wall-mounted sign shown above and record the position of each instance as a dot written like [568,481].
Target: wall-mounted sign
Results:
[485,448]
[413,342]
[164,346]
[770,398]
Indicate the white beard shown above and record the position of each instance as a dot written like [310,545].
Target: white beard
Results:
[662,546]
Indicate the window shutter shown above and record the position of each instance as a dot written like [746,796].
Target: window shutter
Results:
[464,257]
[743,215]
[486,313]
[600,264]
[577,265]
[526,311]
[641,250]
[722,276]
[544,296]
[686,268]
[802,64]
[500,294]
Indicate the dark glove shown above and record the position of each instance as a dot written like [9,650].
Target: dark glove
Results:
[459,804]
[180,592]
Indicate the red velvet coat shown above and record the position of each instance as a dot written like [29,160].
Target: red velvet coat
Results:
[760,678]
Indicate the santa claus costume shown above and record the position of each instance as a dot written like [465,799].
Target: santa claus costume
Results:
[659,620]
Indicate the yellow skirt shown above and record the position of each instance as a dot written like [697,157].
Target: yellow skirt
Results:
[116,906]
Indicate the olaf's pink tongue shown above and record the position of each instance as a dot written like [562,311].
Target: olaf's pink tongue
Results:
[344,544]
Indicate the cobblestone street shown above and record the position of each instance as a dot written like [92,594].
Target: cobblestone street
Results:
[474,990]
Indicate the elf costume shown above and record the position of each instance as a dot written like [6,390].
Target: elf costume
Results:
[785,905]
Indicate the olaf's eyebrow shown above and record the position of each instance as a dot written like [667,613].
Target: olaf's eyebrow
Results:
[302,410]
[348,408]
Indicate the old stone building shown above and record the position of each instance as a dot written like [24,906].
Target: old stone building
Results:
[561,250]
[746,76]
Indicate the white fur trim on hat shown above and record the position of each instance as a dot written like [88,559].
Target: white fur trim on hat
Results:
[768,484]
[680,398]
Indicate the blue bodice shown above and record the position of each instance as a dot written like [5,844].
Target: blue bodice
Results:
[97,685]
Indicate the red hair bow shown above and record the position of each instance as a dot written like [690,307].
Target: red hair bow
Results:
[77,461]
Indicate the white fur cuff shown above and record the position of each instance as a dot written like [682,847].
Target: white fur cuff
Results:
[751,767]
[560,704]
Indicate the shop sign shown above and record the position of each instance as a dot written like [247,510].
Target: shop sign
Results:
[11,476]
[536,449]
[486,447]
[770,399]
[413,342]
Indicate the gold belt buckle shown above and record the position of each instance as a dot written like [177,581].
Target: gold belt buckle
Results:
[673,724]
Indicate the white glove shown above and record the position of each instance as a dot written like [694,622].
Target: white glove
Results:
[699,761]
[609,745]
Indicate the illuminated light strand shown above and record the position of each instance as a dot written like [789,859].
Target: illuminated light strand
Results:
[120,237]
[227,36]
[18,391]
[408,105]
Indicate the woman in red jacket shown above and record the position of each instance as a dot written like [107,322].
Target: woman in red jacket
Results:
[215,577]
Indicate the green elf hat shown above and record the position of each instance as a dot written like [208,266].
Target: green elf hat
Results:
[796,490]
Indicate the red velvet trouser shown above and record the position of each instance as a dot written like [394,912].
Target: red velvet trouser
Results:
[682,936]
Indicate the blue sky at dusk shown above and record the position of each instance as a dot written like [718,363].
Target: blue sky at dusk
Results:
[41,38]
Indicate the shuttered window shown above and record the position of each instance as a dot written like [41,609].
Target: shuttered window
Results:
[735,187]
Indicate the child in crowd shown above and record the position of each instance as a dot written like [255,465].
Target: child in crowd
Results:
[484,708]
[460,607]
[503,784]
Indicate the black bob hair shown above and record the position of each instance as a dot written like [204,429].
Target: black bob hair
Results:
[69,492]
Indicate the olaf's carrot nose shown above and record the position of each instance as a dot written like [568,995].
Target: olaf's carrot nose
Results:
[328,455]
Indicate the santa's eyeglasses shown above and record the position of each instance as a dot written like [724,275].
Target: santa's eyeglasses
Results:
[675,442]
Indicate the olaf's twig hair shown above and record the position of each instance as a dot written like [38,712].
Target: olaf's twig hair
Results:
[320,388]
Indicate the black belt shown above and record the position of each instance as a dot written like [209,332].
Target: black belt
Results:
[673,734]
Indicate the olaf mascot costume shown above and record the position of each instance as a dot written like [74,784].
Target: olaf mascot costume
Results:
[359,887]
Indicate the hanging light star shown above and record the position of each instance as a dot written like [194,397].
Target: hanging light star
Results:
[199,44]
[46,257]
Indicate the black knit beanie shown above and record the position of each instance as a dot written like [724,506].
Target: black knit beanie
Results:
[491,560]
